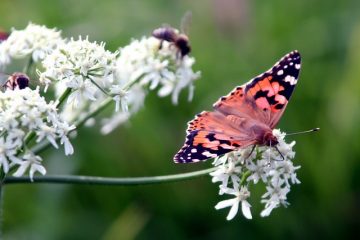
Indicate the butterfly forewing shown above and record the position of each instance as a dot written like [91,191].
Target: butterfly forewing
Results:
[265,97]
[242,117]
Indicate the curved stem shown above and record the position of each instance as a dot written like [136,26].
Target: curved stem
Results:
[131,181]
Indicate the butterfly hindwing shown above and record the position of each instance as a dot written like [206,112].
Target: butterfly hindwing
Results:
[211,134]
[202,145]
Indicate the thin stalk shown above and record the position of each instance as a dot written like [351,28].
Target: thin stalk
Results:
[108,181]
[2,176]
[30,136]
[63,96]
[93,113]
[28,66]
[244,177]
[100,88]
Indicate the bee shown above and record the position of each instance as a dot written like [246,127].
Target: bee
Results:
[16,80]
[170,34]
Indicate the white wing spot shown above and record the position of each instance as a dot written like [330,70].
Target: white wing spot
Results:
[280,72]
[209,155]
[290,79]
[193,150]
[291,63]
[297,66]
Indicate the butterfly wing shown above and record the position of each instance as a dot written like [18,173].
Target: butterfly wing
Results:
[266,96]
[258,104]
[212,134]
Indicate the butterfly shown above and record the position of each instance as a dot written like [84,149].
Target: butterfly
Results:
[244,117]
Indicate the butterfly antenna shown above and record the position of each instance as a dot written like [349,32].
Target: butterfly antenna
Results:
[307,131]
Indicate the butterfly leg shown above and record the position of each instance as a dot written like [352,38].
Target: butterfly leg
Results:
[252,150]
[161,44]
[279,153]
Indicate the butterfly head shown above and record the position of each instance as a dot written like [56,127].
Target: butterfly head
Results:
[269,139]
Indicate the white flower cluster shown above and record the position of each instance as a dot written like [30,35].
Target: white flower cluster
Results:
[89,78]
[143,65]
[144,61]
[84,66]
[35,41]
[23,112]
[236,170]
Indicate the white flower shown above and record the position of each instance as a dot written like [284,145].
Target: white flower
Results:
[259,170]
[273,166]
[120,98]
[8,149]
[240,196]
[276,195]
[285,170]
[84,66]
[23,112]
[144,65]
[32,161]
[226,172]
[34,40]
[144,61]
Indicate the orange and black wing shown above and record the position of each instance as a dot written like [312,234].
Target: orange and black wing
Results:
[266,96]
[258,104]
[212,134]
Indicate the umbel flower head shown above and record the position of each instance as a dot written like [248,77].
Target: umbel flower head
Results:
[156,67]
[84,66]
[148,63]
[35,41]
[22,112]
[237,170]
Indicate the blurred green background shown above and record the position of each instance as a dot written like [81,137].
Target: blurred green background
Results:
[232,40]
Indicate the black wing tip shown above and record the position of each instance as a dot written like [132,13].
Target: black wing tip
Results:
[295,55]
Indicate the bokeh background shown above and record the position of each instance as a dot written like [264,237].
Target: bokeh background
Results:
[232,40]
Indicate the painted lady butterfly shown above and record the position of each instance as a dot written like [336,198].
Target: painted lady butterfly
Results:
[245,117]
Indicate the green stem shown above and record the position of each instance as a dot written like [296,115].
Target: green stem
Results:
[63,96]
[2,177]
[93,113]
[30,136]
[92,180]
[244,177]
[100,88]
[27,67]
